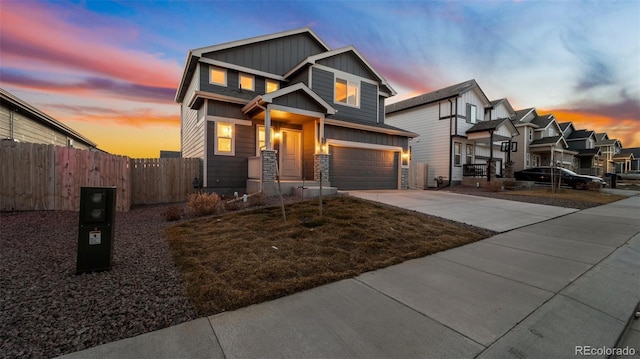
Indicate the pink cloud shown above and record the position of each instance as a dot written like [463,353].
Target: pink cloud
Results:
[36,33]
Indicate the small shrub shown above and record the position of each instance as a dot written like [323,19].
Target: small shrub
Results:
[202,204]
[173,213]
[593,186]
[494,186]
[509,183]
[253,200]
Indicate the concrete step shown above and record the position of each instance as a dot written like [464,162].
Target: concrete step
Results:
[314,191]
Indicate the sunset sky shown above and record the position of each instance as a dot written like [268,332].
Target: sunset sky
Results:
[110,69]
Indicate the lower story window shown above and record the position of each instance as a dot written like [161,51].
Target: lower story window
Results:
[457,153]
[224,140]
[469,154]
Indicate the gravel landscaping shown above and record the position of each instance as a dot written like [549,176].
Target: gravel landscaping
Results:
[47,310]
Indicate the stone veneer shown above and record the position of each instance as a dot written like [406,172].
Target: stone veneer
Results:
[404,178]
[321,163]
[269,165]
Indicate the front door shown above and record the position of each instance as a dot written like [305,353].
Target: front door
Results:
[291,154]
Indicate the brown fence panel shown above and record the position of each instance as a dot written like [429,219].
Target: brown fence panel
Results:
[48,177]
[162,180]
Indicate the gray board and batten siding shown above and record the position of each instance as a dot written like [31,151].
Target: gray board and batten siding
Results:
[276,56]
[324,84]
[228,174]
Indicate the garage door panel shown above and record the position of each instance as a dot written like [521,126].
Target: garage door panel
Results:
[359,168]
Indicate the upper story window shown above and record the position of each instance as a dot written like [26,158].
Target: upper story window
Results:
[551,132]
[590,143]
[217,76]
[224,139]
[530,134]
[247,82]
[271,85]
[347,92]
[472,113]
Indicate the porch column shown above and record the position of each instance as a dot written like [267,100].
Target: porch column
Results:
[321,164]
[269,172]
[267,129]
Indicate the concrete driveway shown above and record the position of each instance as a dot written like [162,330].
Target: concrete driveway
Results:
[495,214]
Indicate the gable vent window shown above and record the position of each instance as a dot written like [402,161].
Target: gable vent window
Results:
[217,76]
[347,92]
[472,113]
[247,82]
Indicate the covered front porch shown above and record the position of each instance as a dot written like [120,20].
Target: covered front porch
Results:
[552,153]
[291,149]
[492,149]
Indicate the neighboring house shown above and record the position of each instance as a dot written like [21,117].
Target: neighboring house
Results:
[540,142]
[460,130]
[610,148]
[286,104]
[628,159]
[170,154]
[589,157]
[21,122]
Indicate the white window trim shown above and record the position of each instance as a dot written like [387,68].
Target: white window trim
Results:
[233,139]
[469,155]
[350,79]
[473,120]
[211,67]
[459,154]
[253,81]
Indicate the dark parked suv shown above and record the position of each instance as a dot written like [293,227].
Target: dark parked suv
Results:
[569,178]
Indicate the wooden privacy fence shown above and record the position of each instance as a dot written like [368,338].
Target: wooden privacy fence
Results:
[162,180]
[48,177]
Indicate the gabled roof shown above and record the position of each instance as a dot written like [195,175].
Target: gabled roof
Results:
[579,135]
[488,125]
[520,114]
[194,56]
[607,142]
[634,150]
[10,100]
[488,129]
[505,103]
[601,136]
[542,121]
[546,141]
[623,156]
[252,40]
[565,125]
[314,58]
[268,98]
[434,96]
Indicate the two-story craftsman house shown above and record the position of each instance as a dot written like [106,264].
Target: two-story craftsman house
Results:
[287,106]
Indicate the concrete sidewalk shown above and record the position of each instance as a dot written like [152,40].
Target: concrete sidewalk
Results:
[537,291]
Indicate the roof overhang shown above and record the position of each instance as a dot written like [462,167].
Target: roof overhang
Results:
[358,126]
[312,60]
[498,130]
[263,100]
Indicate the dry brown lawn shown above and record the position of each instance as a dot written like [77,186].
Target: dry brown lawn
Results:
[231,261]
[570,195]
